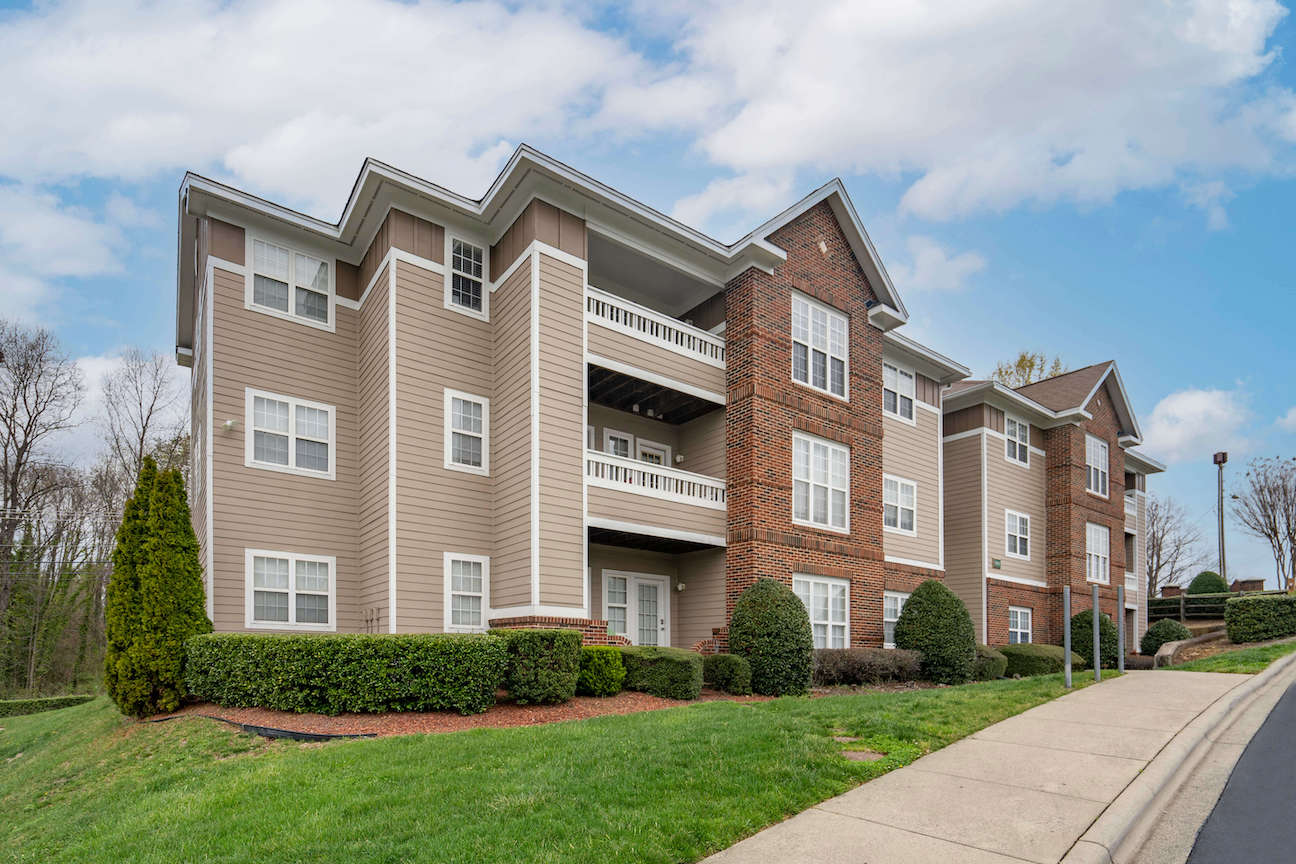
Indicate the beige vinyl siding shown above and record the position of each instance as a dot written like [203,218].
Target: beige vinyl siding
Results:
[511,441]
[437,510]
[655,512]
[602,417]
[912,451]
[256,508]
[627,560]
[371,376]
[701,605]
[1011,486]
[623,348]
[562,433]
[964,573]
[702,444]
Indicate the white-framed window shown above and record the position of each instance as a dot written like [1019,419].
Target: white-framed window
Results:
[1096,460]
[1017,448]
[289,283]
[1017,535]
[820,483]
[290,591]
[618,603]
[827,600]
[892,605]
[1097,553]
[467,432]
[899,505]
[898,391]
[467,289]
[618,443]
[1019,625]
[287,434]
[652,452]
[820,346]
[467,592]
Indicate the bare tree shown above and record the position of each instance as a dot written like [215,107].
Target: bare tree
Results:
[1266,507]
[1173,544]
[142,410]
[1027,368]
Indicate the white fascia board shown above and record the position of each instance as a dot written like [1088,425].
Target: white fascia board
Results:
[993,391]
[1146,463]
[949,371]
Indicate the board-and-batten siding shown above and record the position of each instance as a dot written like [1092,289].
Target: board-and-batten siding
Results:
[438,510]
[511,441]
[623,348]
[964,572]
[562,433]
[1012,486]
[371,376]
[912,452]
[654,512]
[257,508]
[408,233]
[541,221]
[694,611]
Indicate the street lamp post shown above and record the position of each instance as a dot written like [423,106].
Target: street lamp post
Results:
[1220,458]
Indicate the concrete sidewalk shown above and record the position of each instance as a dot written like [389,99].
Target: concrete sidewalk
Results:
[1024,789]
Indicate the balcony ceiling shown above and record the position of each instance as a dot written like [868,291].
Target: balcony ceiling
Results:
[623,392]
[608,537]
[646,281]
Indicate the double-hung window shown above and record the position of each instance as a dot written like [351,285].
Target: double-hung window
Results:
[466,288]
[1017,544]
[820,483]
[899,505]
[892,605]
[289,434]
[467,591]
[290,284]
[1018,445]
[618,603]
[1096,461]
[467,432]
[1097,553]
[290,591]
[1019,625]
[618,443]
[827,600]
[898,391]
[820,356]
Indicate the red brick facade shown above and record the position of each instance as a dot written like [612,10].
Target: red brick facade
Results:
[593,631]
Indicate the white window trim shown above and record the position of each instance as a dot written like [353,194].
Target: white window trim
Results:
[904,598]
[1106,576]
[484,560]
[1105,469]
[643,444]
[290,624]
[249,282]
[1030,544]
[810,523]
[913,397]
[609,433]
[829,581]
[904,481]
[845,397]
[448,432]
[249,447]
[1008,439]
[450,237]
[1030,624]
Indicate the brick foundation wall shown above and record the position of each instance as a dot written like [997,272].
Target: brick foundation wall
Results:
[1045,605]
[593,631]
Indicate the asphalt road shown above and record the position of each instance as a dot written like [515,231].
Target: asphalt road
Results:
[1255,817]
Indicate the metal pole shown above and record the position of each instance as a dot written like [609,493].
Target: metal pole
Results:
[1120,628]
[1220,459]
[1097,648]
[1066,633]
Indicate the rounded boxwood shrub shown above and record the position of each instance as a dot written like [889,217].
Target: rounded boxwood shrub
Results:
[771,629]
[671,673]
[1082,638]
[935,623]
[544,665]
[1026,659]
[989,664]
[728,673]
[1163,631]
[1207,582]
[601,671]
[854,666]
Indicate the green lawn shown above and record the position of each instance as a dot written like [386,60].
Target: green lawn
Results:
[83,784]
[1245,660]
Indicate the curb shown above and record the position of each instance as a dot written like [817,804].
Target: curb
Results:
[1166,654]
[1112,836]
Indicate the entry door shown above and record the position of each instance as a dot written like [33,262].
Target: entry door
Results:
[637,605]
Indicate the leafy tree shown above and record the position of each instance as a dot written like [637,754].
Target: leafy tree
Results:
[1027,368]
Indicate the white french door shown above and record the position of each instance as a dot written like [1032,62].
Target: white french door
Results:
[637,605]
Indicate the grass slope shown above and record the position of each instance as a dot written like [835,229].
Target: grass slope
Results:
[84,784]
[1247,661]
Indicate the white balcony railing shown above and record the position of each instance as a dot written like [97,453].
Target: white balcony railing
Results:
[1131,504]
[643,323]
[659,481]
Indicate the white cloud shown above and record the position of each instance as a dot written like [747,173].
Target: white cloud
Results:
[931,268]
[1190,425]
[1287,422]
[726,204]
[44,237]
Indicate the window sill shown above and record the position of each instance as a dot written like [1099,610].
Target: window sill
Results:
[824,528]
[326,326]
[890,415]
[1017,557]
[822,392]
[283,625]
[288,469]
[483,315]
[900,531]
[1097,494]
[483,471]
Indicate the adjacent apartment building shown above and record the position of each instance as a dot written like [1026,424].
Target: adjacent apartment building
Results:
[554,406]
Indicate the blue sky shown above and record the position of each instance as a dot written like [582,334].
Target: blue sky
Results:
[1101,180]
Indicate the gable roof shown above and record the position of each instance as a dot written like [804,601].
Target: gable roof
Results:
[1068,390]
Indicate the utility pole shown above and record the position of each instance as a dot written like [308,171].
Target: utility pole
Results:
[1220,458]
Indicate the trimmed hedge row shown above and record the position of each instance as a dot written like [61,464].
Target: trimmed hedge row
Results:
[601,671]
[1260,617]
[989,665]
[728,673]
[19,707]
[332,673]
[854,666]
[543,665]
[672,673]
[1026,659]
